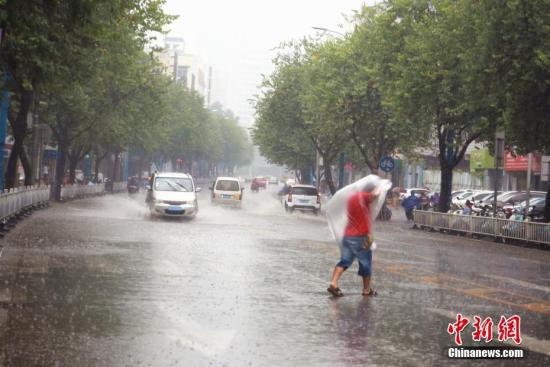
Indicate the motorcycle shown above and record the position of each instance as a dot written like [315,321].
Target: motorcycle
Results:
[132,190]
[385,213]
[254,187]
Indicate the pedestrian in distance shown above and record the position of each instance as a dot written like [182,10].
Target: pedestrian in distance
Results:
[410,203]
[357,241]
[467,210]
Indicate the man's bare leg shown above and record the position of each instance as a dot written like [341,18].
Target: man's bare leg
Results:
[336,274]
[366,286]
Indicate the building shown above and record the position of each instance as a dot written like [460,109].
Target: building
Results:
[187,69]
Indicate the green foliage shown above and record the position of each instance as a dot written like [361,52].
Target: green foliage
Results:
[516,40]
[84,61]
[280,129]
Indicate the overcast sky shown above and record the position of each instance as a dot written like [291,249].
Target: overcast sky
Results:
[235,36]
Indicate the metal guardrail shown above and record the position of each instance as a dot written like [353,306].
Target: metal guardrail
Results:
[17,201]
[119,186]
[78,191]
[488,226]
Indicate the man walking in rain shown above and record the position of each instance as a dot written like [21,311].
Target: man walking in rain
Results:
[357,241]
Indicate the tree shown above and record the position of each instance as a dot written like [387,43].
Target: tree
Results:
[280,129]
[440,80]
[103,72]
[516,38]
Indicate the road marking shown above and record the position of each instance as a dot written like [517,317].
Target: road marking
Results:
[521,283]
[194,335]
[528,342]
[439,280]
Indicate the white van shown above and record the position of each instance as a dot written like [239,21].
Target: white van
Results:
[173,195]
[227,190]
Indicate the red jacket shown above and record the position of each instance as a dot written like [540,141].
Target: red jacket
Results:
[358,215]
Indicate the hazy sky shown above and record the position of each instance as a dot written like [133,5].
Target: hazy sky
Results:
[235,36]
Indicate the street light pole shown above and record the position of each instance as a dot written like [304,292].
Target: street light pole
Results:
[323,29]
[342,154]
[499,155]
[317,170]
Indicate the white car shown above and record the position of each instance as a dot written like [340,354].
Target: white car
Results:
[460,200]
[173,195]
[302,197]
[416,190]
[227,190]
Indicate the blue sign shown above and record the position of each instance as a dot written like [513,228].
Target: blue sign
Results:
[50,154]
[387,164]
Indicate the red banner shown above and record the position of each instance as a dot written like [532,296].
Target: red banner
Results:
[520,163]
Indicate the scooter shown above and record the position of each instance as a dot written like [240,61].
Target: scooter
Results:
[132,190]
[385,213]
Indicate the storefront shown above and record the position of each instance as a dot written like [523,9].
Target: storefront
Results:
[516,167]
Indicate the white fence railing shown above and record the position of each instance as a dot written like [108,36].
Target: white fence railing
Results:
[77,191]
[119,186]
[15,201]
[494,227]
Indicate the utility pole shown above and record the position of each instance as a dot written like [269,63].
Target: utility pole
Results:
[499,155]
[317,170]
[529,171]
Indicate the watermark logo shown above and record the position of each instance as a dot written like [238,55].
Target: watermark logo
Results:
[508,330]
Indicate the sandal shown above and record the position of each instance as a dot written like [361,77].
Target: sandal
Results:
[371,292]
[335,291]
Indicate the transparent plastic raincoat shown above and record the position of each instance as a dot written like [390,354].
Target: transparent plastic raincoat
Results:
[336,209]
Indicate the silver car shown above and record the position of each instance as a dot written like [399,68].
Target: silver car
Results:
[173,195]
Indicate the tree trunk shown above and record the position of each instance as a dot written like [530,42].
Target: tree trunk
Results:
[97,164]
[140,168]
[60,167]
[19,129]
[23,157]
[328,177]
[11,170]
[446,188]
[116,171]
[73,163]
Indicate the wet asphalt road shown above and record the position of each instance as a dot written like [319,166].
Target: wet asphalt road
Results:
[96,283]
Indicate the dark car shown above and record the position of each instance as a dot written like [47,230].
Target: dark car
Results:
[518,197]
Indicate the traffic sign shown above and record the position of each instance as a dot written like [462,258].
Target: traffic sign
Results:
[387,164]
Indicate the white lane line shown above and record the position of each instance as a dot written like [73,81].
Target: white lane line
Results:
[527,342]
[521,283]
[193,335]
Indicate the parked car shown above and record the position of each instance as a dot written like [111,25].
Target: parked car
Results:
[513,202]
[477,198]
[458,192]
[227,191]
[417,191]
[302,197]
[460,200]
[518,197]
[173,195]
[488,199]
[536,208]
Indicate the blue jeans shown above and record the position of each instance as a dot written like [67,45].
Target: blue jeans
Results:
[352,248]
